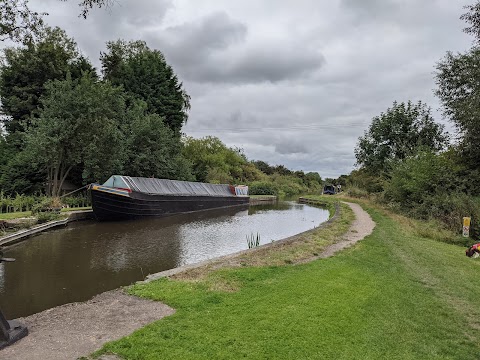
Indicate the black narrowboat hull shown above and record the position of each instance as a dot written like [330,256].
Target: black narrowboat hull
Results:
[113,204]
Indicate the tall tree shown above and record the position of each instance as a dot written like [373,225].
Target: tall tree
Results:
[152,149]
[458,81]
[25,70]
[396,134]
[78,124]
[145,75]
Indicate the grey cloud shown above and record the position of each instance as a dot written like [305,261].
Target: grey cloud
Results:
[290,147]
[191,44]
[216,31]
[215,49]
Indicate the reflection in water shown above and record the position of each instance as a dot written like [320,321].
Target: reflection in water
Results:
[87,258]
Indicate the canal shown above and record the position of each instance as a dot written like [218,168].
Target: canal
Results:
[87,258]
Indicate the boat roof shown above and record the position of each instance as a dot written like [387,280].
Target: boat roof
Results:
[169,187]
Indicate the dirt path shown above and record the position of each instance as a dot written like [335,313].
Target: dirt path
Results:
[362,226]
[74,330]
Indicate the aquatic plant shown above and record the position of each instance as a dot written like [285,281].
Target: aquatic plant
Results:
[252,240]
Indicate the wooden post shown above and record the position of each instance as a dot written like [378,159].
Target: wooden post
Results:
[466,226]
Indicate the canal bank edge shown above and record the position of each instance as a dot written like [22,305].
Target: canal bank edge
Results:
[178,270]
[23,234]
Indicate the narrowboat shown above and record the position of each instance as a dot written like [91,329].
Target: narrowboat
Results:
[329,190]
[125,197]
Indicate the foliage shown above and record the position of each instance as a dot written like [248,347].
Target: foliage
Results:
[472,17]
[264,167]
[20,175]
[313,178]
[87,5]
[458,77]
[213,161]
[47,216]
[27,69]
[396,134]
[420,176]
[78,125]
[261,188]
[356,192]
[145,75]
[153,150]
[18,22]
[48,204]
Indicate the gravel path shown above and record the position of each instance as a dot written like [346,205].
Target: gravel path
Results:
[74,330]
[78,329]
[362,226]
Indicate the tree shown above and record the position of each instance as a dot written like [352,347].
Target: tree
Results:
[26,69]
[396,134]
[79,124]
[20,24]
[458,79]
[313,177]
[472,17]
[145,75]
[213,161]
[264,167]
[421,176]
[152,149]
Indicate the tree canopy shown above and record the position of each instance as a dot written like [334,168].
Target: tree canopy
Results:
[78,125]
[144,74]
[25,71]
[396,134]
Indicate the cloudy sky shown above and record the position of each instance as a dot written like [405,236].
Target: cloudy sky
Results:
[290,82]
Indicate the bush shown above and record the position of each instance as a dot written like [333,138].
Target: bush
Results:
[43,217]
[261,188]
[356,192]
[450,209]
[48,205]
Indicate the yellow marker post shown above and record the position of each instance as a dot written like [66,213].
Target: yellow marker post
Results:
[466,226]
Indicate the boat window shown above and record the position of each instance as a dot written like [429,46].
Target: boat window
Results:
[109,182]
[117,182]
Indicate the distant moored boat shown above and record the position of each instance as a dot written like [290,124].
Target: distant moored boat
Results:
[123,197]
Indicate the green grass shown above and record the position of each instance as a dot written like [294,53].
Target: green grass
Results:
[15,215]
[395,295]
[76,209]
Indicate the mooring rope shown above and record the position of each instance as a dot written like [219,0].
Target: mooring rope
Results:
[74,191]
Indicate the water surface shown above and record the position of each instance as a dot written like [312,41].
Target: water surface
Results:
[86,258]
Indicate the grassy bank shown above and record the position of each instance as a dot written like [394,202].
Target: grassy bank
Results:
[23,214]
[395,295]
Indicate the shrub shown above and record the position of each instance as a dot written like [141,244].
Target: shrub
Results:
[261,188]
[43,217]
[48,205]
[356,192]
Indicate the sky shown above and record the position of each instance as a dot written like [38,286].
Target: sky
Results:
[292,83]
